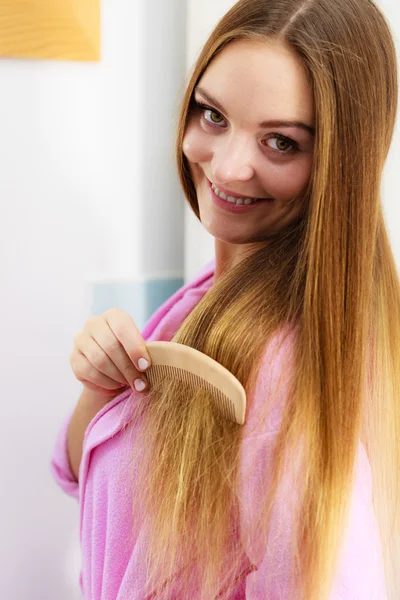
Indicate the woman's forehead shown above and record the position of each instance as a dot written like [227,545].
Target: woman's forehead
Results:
[266,79]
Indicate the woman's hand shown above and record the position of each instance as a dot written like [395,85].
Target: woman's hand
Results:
[110,354]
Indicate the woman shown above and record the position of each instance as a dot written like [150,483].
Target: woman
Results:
[284,130]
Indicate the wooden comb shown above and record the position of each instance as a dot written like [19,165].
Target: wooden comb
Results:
[177,361]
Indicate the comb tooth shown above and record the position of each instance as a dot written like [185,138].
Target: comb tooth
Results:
[224,405]
[227,408]
[230,409]
[222,401]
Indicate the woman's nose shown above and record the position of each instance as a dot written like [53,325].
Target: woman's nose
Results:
[232,161]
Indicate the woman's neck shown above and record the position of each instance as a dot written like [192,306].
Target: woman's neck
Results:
[228,256]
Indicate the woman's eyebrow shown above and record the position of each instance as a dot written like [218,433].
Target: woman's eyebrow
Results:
[264,124]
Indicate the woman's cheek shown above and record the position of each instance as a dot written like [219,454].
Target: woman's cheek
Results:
[197,145]
[286,183]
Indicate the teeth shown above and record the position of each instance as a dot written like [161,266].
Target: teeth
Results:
[231,199]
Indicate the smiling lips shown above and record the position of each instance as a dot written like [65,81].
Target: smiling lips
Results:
[231,199]
[234,199]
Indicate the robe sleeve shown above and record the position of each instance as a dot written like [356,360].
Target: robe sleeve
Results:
[60,467]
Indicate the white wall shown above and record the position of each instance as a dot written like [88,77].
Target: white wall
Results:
[203,15]
[88,193]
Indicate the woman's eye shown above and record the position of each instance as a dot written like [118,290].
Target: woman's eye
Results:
[213,117]
[281,144]
[210,115]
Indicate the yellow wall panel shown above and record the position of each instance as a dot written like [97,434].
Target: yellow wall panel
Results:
[50,29]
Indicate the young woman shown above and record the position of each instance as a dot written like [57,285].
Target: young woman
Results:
[284,131]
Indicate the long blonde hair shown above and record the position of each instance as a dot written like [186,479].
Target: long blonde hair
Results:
[331,277]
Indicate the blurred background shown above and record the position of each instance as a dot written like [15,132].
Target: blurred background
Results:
[92,217]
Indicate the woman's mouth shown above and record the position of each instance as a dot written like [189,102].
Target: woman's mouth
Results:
[233,203]
[233,199]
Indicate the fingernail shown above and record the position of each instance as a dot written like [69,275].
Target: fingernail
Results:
[143,364]
[139,385]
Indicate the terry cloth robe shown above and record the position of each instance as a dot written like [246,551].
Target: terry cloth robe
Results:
[113,543]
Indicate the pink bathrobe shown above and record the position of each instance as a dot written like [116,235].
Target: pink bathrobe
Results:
[112,559]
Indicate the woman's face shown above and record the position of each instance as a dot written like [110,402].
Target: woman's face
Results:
[238,139]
